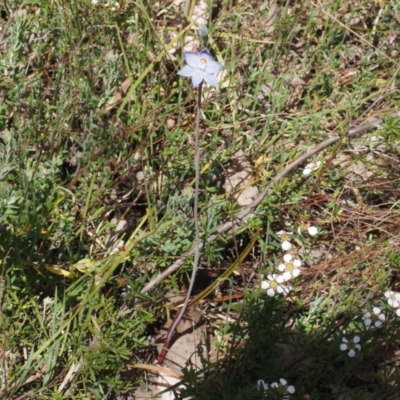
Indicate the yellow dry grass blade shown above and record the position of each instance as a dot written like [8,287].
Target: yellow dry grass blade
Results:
[227,273]
[54,269]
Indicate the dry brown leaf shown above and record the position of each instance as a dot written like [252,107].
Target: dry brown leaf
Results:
[118,95]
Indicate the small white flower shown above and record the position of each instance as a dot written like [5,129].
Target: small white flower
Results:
[393,298]
[46,301]
[376,318]
[274,285]
[285,237]
[283,387]
[95,2]
[312,230]
[311,167]
[351,345]
[290,268]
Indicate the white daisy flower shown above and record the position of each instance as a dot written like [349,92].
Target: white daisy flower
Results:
[312,230]
[375,318]
[393,298]
[311,167]
[283,387]
[274,285]
[290,268]
[351,345]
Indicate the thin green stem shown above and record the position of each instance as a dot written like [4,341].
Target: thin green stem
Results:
[179,316]
[187,7]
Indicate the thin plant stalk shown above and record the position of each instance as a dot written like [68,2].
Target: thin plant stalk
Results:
[187,7]
[179,316]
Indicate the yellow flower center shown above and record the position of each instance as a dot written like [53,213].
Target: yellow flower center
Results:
[351,345]
[285,237]
[273,285]
[203,61]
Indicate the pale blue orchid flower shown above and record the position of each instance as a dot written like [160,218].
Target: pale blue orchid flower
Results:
[201,67]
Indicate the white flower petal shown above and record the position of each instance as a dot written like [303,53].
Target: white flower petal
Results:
[279,279]
[343,347]
[213,67]
[211,79]
[287,257]
[264,285]
[290,389]
[378,324]
[287,276]
[286,245]
[376,310]
[393,303]
[393,298]
[197,78]
[306,171]
[367,322]
[297,263]
[271,292]
[186,71]
[367,315]
[281,267]
[193,59]
[312,230]
[356,339]
[261,383]
[296,273]
[351,353]
[398,312]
